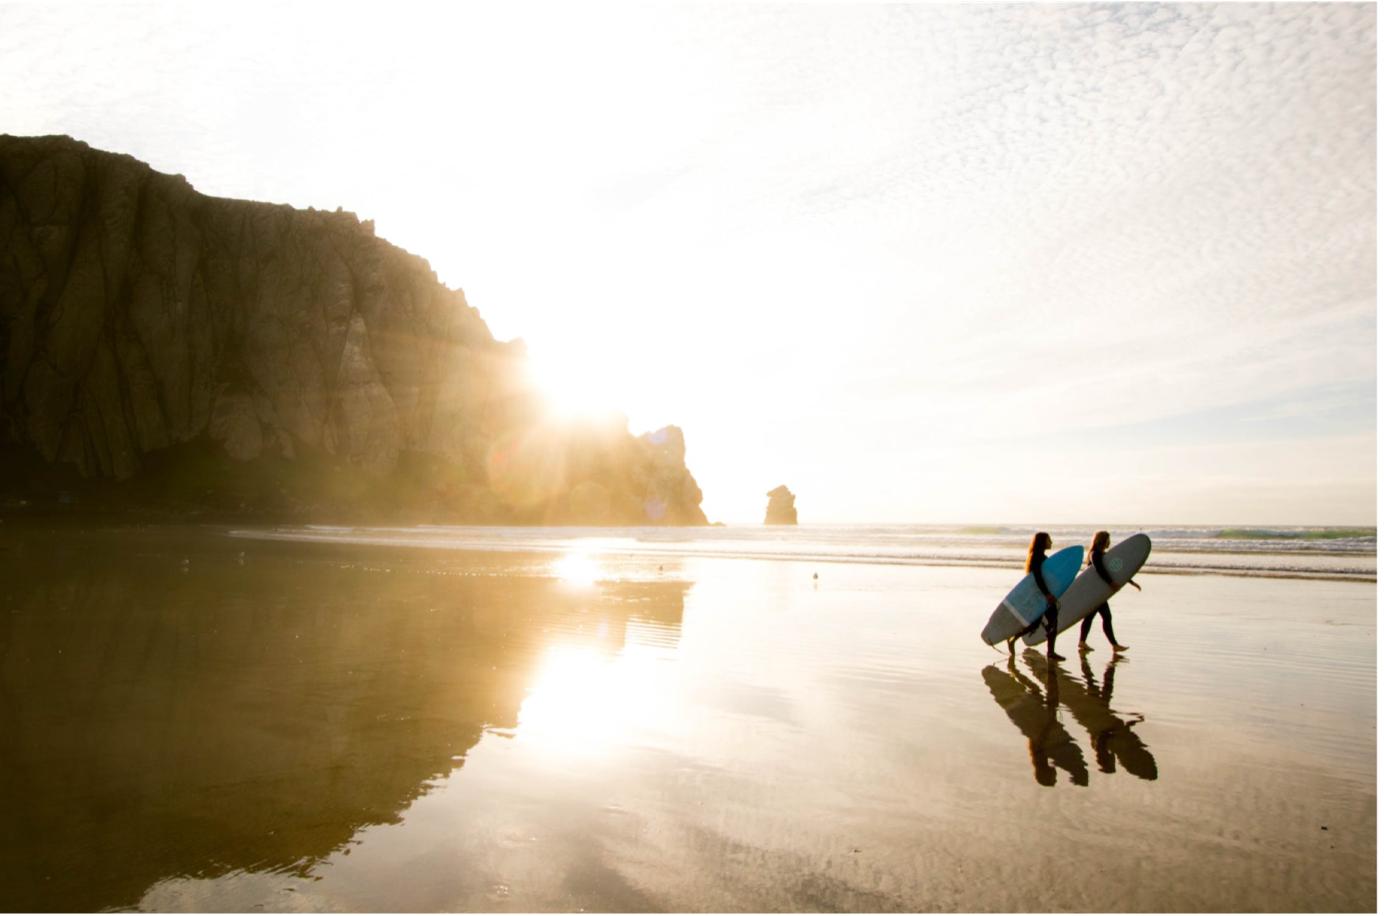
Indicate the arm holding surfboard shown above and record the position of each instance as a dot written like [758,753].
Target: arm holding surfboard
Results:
[1098,561]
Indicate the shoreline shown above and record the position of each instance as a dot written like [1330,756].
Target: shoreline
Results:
[598,542]
[705,542]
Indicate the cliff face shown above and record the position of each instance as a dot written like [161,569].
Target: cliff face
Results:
[138,316]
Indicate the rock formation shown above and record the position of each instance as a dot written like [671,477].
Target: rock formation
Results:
[289,360]
[780,510]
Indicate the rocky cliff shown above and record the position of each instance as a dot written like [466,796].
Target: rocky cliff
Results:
[171,348]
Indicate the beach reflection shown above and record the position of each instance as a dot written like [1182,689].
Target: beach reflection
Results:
[577,569]
[173,709]
[1112,737]
[584,701]
[1033,709]
[371,729]
[1032,703]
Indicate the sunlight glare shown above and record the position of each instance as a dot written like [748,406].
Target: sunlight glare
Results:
[582,700]
[577,569]
[574,390]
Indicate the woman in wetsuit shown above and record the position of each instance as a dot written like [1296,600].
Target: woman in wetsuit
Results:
[1096,558]
[1037,553]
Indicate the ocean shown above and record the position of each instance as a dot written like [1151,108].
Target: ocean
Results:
[1296,552]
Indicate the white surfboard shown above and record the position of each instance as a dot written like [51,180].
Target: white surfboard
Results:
[1088,591]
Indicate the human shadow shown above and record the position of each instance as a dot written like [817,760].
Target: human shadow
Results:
[1112,737]
[1033,710]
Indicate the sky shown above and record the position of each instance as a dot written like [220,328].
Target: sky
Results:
[1042,263]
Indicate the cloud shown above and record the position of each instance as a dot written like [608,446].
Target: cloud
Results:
[920,223]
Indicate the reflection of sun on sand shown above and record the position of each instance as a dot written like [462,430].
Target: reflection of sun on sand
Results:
[577,569]
[584,701]
[596,685]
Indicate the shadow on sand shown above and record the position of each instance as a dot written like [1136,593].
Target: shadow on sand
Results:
[1032,705]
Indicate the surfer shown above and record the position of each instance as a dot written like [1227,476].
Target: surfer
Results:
[1096,558]
[1037,553]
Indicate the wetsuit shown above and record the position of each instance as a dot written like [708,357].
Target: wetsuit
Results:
[1097,560]
[1049,616]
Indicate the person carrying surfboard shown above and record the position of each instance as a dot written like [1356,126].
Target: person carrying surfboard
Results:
[1096,558]
[1037,553]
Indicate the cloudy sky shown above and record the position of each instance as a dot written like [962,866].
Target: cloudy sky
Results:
[976,263]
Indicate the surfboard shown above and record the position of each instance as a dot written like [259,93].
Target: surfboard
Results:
[1025,603]
[1088,591]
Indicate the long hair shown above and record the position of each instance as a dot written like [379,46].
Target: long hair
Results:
[1038,550]
[1099,544]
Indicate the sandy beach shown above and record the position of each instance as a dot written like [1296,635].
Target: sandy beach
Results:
[504,458]
[192,721]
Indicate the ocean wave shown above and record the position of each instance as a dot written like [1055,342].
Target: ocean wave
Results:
[1295,534]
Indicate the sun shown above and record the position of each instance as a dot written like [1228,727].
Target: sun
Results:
[578,385]
[569,390]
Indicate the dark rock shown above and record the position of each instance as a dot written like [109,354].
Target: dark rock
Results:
[780,510]
[138,316]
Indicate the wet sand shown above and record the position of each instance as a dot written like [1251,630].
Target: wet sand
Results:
[328,727]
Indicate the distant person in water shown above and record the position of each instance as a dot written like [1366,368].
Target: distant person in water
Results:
[1096,558]
[1037,553]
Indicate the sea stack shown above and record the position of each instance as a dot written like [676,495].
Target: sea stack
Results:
[780,510]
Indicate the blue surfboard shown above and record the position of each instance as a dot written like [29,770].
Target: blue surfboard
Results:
[1025,603]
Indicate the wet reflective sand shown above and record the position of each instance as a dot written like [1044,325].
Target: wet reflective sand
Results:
[327,727]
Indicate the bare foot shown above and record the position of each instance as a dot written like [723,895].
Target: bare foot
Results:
[1057,658]
[1119,648]
[1083,648]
